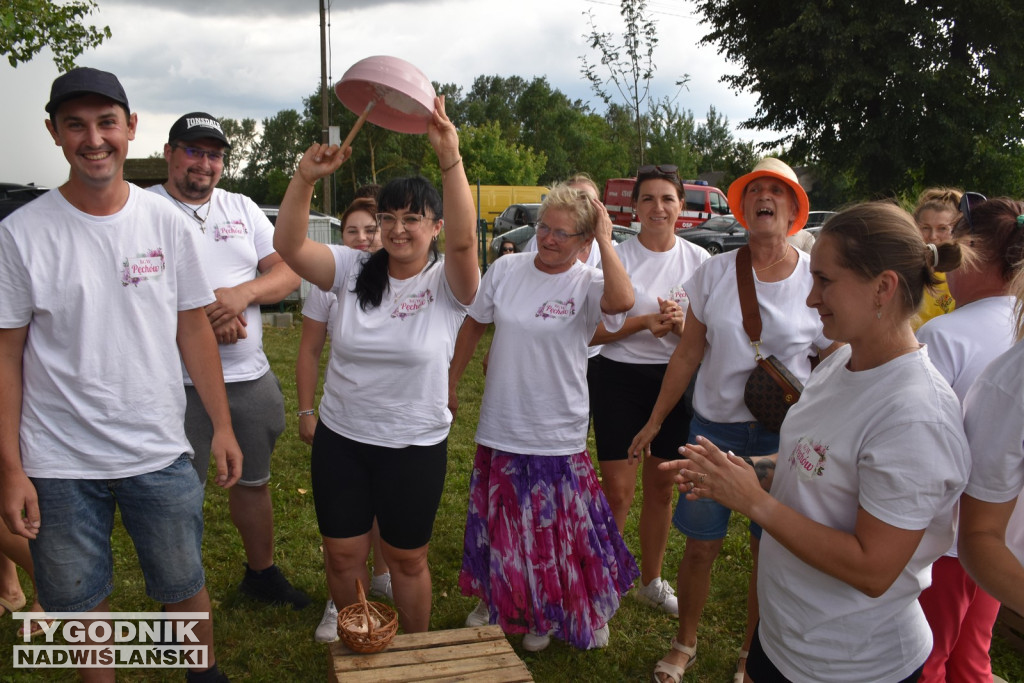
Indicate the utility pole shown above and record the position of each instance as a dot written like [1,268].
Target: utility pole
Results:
[324,113]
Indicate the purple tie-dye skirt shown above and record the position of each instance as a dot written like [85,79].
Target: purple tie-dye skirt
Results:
[541,548]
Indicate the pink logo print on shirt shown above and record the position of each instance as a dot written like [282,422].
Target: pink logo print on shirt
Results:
[225,231]
[678,294]
[146,266]
[809,458]
[412,304]
[557,309]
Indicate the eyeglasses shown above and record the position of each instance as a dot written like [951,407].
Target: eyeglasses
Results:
[968,201]
[543,230]
[196,153]
[510,250]
[658,169]
[410,221]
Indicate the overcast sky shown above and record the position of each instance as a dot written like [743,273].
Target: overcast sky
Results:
[253,58]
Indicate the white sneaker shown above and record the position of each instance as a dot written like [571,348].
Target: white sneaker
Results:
[534,643]
[480,616]
[601,636]
[380,587]
[659,594]
[327,631]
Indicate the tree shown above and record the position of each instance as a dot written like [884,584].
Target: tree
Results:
[897,95]
[629,64]
[243,137]
[27,26]
[493,160]
[671,138]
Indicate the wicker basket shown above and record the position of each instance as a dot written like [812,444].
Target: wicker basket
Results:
[367,627]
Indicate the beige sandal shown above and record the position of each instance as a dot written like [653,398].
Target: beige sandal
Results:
[672,671]
[741,667]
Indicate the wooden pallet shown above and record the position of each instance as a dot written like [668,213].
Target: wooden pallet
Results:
[480,654]
[1010,626]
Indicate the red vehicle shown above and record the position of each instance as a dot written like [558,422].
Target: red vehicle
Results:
[702,202]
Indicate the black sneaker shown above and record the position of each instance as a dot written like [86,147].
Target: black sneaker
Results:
[269,585]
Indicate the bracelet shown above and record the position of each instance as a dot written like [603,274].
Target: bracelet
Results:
[304,413]
[454,164]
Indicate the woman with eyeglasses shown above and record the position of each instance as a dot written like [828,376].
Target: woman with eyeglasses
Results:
[380,447]
[541,549]
[859,507]
[508,247]
[771,205]
[935,214]
[633,362]
[961,344]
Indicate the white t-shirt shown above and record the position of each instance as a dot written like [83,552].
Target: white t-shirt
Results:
[861,439]
[962,342]
[101,295]
[237,235]
[321,306]
[790,331]
[535,397]
[387,380]
[994,420]
[654,274]
[593,260]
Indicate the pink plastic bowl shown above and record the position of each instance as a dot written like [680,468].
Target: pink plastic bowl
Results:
[404,95]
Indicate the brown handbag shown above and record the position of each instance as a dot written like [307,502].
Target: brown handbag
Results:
[771,388]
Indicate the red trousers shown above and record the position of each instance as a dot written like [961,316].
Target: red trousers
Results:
[961,616]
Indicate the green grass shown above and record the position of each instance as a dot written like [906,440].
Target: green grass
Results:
[272,644]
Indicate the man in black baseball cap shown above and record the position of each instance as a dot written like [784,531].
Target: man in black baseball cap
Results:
[197,126]
[99,254]
[235,241]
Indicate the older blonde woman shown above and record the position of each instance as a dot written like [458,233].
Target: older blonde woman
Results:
[771,205]
[541,550]
[858,509]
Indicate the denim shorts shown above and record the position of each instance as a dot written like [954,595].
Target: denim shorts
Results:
[704,519]
[257,417]
[162,512]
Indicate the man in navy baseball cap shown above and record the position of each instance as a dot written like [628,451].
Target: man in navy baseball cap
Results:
[82,81]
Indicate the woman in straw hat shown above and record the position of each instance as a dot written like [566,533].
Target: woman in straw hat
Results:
[771,205]
[859,508]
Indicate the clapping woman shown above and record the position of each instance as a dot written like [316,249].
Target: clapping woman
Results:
[380,448]
[865,475]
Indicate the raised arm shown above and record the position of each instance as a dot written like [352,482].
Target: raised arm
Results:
[618,290]
[199,353]
[681,366]
[309,258]
[461,265]
[20,504]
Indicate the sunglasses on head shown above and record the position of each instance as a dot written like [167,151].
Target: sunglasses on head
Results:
[968,201]
[658,169]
